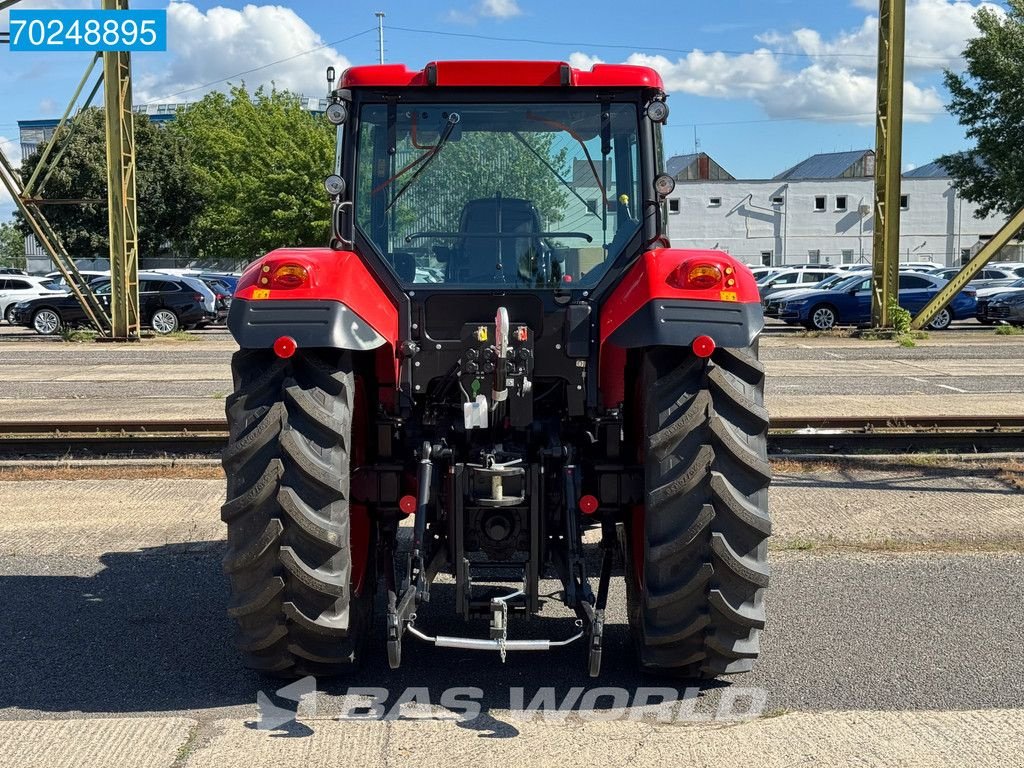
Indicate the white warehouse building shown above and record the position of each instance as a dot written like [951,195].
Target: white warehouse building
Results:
[820,212]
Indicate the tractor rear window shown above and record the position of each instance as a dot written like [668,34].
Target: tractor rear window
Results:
[516,195]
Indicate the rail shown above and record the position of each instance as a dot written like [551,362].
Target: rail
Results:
[829,434]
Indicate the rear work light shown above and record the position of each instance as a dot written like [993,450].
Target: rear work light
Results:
[285,276]
[700,276]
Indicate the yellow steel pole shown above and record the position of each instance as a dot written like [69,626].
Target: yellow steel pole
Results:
[124,243]
[888,159]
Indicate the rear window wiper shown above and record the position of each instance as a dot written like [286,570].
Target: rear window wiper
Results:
[453,118]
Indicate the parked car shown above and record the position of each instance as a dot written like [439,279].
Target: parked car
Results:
[849,302]
[12,271]
[15,288]
[760,273]
[793,278]
[989,275]
[222,294]
[166,303]
[56,279]
[194,282]
[1004,297]
[771,304]
[854,267]
[230,280]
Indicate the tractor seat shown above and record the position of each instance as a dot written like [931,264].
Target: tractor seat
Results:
[478,258]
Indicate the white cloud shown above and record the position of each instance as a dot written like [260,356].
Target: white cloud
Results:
[485,9]
[223,41]
[937,31]
[500,9]
[836,82]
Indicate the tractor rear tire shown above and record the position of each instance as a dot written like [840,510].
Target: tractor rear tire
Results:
[696,550]
[288,515]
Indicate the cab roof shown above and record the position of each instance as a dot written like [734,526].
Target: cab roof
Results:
[501,74]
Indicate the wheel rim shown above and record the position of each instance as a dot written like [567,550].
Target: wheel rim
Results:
[941,320]
[824,318]
[9,315]
[46,322]
[164,322]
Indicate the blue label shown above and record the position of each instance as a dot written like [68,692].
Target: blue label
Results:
[39,30]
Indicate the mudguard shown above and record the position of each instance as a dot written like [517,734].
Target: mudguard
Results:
[338,305]
[653,305]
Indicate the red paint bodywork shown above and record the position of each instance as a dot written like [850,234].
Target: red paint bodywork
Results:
[497,74]
[333,275]
[648,279]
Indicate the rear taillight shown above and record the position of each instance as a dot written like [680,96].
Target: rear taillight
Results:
[287,276]
[198,297]
[699,276]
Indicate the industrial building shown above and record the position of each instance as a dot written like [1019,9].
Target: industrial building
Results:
[820,212]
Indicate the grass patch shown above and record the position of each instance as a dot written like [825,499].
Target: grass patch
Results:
[78,335]
[174,336]
[901,332]
[897,546]
[831,333]
[1012,473]
[776,712]
[1009,330]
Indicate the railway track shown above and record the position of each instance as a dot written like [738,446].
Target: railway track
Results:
[829,434]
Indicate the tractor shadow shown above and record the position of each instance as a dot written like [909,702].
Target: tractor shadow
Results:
[147,631]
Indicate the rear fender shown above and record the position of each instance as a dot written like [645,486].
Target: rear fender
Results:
[654,305]
[340,305]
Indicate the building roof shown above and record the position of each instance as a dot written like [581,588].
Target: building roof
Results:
[677,163]
[697,166]
[933,170]
[834,165]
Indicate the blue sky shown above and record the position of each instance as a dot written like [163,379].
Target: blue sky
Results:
[760,85]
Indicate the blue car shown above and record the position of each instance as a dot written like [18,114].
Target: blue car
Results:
[849,303]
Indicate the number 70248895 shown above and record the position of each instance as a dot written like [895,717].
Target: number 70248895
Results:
[88,30]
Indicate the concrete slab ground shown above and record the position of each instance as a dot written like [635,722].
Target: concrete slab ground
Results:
[913,507]
[912,739]
[138,742]
[90,517]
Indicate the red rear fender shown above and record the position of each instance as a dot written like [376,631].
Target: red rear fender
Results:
[670,297]
[320,298]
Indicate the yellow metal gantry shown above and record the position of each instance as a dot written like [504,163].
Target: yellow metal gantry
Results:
[892,15]
[121,208]
[123,322]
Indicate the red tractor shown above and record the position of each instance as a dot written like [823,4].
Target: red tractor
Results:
[500,347]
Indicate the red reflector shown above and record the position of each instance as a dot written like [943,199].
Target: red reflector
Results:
[703,346]
[407,504]
[285,346]
[588,504]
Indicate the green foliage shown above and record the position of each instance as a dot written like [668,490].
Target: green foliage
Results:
[165,200]
[258,162]
[12,246]
[1009,330]
[987,102]
[899,317]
